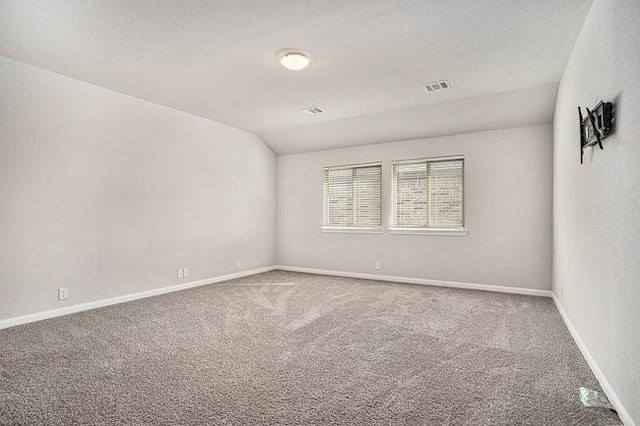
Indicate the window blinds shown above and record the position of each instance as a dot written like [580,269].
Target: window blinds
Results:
[352,196]
[429,194]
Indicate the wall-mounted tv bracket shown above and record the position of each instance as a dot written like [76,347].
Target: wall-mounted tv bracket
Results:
[596,126]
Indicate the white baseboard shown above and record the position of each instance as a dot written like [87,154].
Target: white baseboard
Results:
[422,281]
[606,386]
[10,322]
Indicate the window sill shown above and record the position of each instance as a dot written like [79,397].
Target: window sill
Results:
[428,231]
[352,230]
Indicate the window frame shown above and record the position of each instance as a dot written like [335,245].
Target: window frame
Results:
[403,230]
[353,229]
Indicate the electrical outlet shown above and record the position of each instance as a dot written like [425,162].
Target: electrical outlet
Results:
[239,263]
[63,293]
[179,273]
[378,265]
[185,272]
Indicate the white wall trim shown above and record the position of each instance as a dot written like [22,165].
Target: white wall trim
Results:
[10,322]
[422,281]
[429,231]
[606,386]
[352,230]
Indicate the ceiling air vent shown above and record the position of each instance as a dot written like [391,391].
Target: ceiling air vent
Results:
[437,85]
[312,110]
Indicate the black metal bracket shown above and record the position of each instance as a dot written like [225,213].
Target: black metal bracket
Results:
[596,126]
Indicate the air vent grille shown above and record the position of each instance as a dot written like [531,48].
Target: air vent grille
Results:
[437,85]
[312,110]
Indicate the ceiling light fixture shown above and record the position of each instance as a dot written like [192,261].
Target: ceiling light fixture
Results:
[294,61]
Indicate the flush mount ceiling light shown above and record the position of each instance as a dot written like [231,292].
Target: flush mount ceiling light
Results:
[294,61]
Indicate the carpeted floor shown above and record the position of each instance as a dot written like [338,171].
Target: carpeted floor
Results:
[283,348]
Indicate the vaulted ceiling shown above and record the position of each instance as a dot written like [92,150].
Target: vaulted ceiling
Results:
[218,59]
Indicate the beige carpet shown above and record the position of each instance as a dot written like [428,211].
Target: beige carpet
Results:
[283,348]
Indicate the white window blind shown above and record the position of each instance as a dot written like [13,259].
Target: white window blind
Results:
[352,196]
[428,194]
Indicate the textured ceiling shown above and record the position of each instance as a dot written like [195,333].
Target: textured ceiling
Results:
[513,108]
[217,59]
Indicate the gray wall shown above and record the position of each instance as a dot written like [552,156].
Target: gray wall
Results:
[508,212]
[597,205]
[108,195]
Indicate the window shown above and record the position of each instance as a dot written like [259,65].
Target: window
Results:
[428,195]
[352,197]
